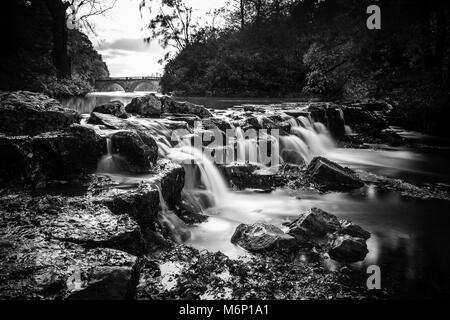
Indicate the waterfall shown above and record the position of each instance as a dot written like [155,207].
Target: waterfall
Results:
[175,226]
[308,139]
[192,158]
[108,163]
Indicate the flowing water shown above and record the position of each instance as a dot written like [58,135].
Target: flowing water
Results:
[409,236]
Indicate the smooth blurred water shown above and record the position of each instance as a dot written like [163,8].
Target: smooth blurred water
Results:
[410,237]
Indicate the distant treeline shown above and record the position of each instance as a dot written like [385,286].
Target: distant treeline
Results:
[323,48]
[26,60]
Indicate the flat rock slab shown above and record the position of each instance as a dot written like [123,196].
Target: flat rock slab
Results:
[76,220]
[29,113]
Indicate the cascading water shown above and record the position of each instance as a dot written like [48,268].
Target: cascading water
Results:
[308,139]
[108,163]
[175,226]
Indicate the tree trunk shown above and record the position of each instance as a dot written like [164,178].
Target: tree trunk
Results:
[61,59]
[441,46]
[242,14]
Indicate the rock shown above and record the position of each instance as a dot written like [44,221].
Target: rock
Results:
[351,229]
[313,226]
[146,106]
[66,248]
[142,203]
[261,237]
[246,175]
[391,137]
[216,123]
[328,175]
[331,116]
[139,156]
[171,106]
[348,249]
[55,270]
[107,120]
[115,108]
[28,113]
[53,155]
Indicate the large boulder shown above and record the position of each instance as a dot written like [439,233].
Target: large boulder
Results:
[328,175]
[146,106]
[138,150]
[343,240]
[348,249]
[27,113]
[313,226]
[53,155]
[178,107]
[245,175]
[115,108]
[261,237]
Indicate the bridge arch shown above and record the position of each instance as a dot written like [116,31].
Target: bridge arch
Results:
[128,84]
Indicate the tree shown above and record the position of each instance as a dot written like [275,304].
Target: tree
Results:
[58,11]
[172,25]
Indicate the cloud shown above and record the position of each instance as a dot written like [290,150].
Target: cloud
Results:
[128,44]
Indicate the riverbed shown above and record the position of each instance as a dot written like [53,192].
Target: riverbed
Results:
[409,235]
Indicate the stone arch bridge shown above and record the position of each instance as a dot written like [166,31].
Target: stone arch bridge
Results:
[128,84]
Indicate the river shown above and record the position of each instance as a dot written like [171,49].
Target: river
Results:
[409,235]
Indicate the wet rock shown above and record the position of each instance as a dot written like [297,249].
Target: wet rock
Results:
[28,113]
[245,175]
[348,249]
[115,108]
[66,248]
[328,175]
[391,137]
[139,151]
[261,237]
[106,120]
[351,229]
[146,106]
[52,155]
[142,202]
[331,116]
[216,123]
[314,226]
[171,106]
[54,270]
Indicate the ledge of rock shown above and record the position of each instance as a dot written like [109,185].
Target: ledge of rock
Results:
[66,248]
[142,202]
[245,175]
[28,113]
[52,155]
[328,175]
[261,237]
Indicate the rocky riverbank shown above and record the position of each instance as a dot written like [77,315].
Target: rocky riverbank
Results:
[69,232]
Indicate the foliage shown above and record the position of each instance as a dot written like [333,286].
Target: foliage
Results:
[27,64]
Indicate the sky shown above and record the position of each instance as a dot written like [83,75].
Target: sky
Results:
[120,37]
